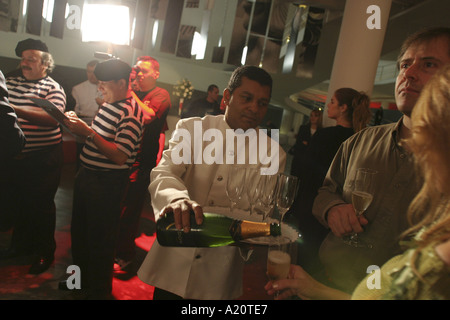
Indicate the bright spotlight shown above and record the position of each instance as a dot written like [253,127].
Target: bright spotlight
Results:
[103,22]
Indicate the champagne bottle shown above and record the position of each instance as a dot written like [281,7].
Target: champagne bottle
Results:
[215,231]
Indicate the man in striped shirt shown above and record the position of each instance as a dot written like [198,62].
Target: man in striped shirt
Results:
[31,179]
[110,149]
[155,103]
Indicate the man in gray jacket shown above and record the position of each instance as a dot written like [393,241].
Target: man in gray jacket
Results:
[395,184]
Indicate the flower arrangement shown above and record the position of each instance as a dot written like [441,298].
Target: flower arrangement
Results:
[183,89]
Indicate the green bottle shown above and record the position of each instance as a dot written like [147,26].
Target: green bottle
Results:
[215,231]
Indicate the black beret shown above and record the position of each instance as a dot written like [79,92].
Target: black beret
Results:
[112,69]
[30,44]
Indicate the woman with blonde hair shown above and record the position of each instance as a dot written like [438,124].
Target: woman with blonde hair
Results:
[423,270]
[351,111]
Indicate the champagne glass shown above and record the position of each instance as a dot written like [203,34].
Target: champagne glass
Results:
[235,185]
[362,196]
[286,193]
[278,259]
[253,187]
[268,194]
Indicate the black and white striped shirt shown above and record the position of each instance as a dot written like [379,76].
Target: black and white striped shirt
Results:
[38,137]
[121,123]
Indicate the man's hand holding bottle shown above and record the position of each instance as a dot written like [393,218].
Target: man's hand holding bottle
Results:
[182,209]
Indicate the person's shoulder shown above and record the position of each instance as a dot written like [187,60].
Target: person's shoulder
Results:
[162,90]
[372,134]
[304,127]
[48,80]
[80,85]
[200,101]
[207,121]
[373,130]
[126,104]
[330,131]
[128,107]
[14,78]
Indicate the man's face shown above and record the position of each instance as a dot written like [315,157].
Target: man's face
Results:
[90,74]
[417,66]
[214,94]
[314,118]
[248,104]
[109,90]
[31,65]
[146,77]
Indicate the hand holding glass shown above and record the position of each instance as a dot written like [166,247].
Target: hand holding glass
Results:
[278,259]
[362,196]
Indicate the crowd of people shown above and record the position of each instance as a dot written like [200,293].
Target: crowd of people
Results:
[405,230]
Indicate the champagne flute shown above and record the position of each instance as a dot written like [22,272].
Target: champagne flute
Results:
[286,193]
[362,196]
[253,187]
[235,185]
[278,259]
[268,194]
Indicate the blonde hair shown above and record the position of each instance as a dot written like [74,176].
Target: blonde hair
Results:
[358,103]
[430,144]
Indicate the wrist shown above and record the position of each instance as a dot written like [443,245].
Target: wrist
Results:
[332,208]
[90,136]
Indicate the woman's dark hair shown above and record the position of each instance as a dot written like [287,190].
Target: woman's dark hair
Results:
[358,112]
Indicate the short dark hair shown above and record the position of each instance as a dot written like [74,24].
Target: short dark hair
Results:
[251,72]
[211,87]
[424,36]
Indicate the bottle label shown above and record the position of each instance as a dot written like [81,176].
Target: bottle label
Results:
[179,233]
[176,237]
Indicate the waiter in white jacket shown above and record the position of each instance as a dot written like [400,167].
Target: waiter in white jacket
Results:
[191,177]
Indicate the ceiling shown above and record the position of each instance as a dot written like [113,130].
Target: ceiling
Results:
[406,17]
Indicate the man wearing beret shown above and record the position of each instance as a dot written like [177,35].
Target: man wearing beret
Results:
[155,103]
[109,151]
[31,179]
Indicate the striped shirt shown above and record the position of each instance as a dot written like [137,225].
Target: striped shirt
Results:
[121,123]
[38,137]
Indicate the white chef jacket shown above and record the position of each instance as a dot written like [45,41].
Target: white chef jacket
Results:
[198,273]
